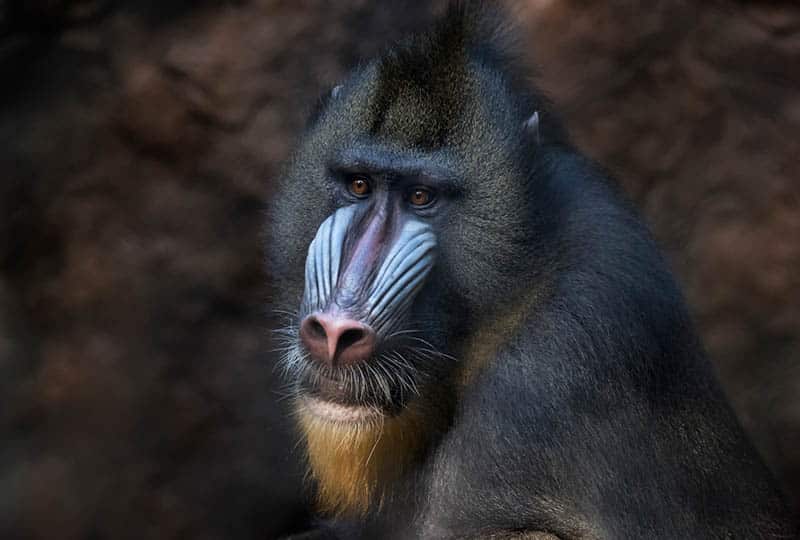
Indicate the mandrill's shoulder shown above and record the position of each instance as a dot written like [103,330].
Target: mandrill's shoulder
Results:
[582,428]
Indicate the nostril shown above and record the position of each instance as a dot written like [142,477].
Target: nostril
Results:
[314,338]
[316,329]
[355,344]
[350,337]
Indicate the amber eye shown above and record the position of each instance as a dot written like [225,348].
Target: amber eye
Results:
[420,196]
[359,186]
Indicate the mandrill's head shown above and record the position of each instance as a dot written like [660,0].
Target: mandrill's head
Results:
[406,217]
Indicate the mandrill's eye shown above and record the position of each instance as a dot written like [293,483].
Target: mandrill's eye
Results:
[420,196]
[359,185]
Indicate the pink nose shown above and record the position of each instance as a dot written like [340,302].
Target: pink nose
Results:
[337,339]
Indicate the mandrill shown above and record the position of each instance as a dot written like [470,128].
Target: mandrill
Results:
[486,341]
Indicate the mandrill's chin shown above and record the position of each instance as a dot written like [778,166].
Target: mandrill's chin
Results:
[338,413]
[355,455]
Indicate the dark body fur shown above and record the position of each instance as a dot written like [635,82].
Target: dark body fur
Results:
[581,403]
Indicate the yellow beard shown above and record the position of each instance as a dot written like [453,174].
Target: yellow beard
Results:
[354,463]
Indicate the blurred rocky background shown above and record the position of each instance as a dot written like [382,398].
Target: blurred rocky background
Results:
[139,141]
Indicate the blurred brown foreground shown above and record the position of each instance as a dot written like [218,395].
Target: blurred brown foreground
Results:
[138,145]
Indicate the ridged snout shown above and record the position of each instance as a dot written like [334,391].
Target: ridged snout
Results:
[360,280]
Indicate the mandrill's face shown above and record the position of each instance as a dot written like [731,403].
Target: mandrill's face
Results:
[391,236]
[357,353]
[356,251]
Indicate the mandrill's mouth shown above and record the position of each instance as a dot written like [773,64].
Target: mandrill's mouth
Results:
[382,384]
[323,385]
